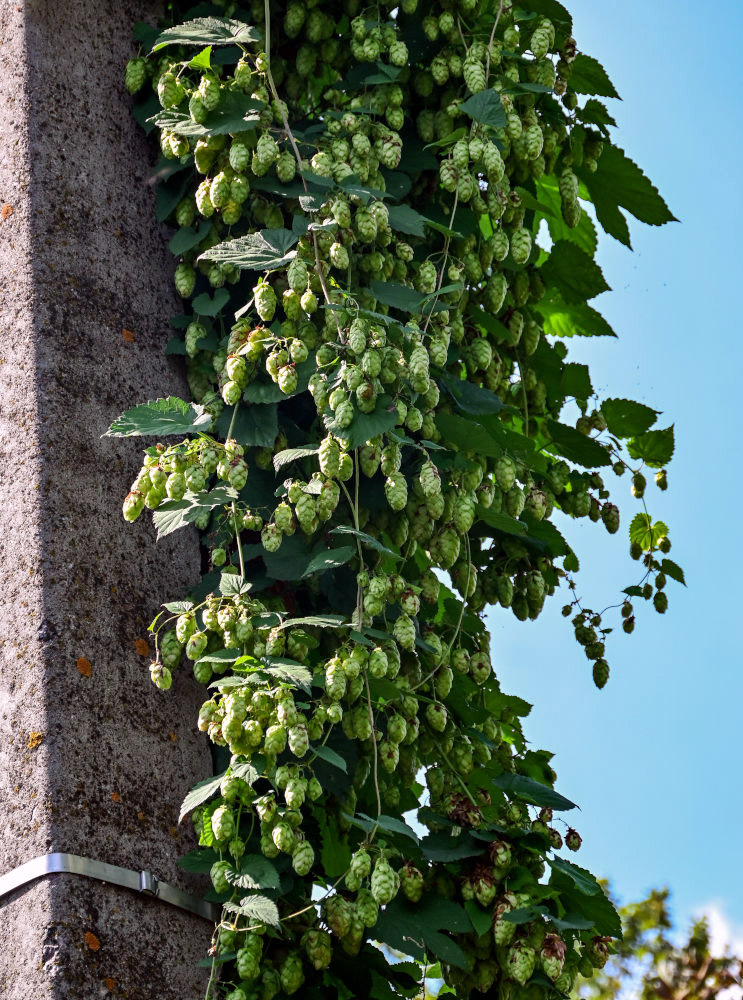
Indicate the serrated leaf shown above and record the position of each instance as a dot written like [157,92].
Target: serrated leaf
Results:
[366,426]
[471,398]
[576,447]
[442,847]
[620,183]
[397,296]
[160,418]
[315,621]
[563,320]
[330,559]
[626,418]
[200,793]
[595,113]
[230,655]
[646,533]
[482,920]
[655,448]
[289,672]
[549,207]
[255,426]
[202,60]
[203,31]
[199,860]
[486,108]
[236,112]
[330,757]
[268,250]
[501,522]
[174,514]
[555,11]
[208,305]
[672,569]
[405,219]
[575,275]
[389,823]
[583,880]
[368,540]
[259,909]
[245,770]
[256,872]
[232,584]
[576,381]
[187,237]
[533,792]
[588,76]
[283,458]
[467,436]
[178,607]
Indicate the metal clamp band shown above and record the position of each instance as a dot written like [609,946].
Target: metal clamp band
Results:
[143,882]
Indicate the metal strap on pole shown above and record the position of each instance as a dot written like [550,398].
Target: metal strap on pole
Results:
[143,881]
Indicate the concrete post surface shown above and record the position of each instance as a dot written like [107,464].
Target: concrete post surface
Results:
[93,759]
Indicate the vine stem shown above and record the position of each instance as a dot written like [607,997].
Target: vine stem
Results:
[376,754]
[446,257]
[490,43]
[297,156]
[237,538]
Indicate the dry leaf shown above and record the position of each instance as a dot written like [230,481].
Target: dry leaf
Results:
[142,647]
[92,941]
[84,666]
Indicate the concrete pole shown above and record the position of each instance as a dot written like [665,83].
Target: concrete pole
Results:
[93,759]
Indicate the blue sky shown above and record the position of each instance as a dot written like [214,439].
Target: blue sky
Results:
[655,759]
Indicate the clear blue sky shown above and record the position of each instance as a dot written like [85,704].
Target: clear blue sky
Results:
[656,759]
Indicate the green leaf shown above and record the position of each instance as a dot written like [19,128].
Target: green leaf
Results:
[645,533]
[289,672]
[471,398]
[208,31]
[576,382]
[200,793]
[549,206]
[366,426]
[405,219]
[203,60]
[655,448]
[187,237]
[467,436]
[371,542]
[222,656]
[236,112]
[672,569]
[443,847]
[547,534]
[576,447]
[619,183]
[268,250]
[554,11]
[315,621]
[243,769]
[335,854]
[256,872]
[255,426]
[283,458]
[232,584]
[174,514]
[397,296]
[258,909]
[159,418]
[207,305]
[389,823]
[501,522]
[481,919]
[595,113]
[485,108]
[625,418]
[584,880]
[588,76]
[563,320]
[199,860]
[178,607]
[330,559]
[575,275]
[533,792]
[330,757]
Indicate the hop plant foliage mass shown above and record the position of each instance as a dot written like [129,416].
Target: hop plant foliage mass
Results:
[374,332]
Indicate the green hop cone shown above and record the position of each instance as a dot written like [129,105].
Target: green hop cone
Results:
[265,301]
[520,962]
[133,505]
[521,246]
[185,279]
[218,875]
[303,857]
[384,882]
[223,823]
[396,491]
[411,882]
[318,948]
[600,673]
[135,75]
[404,632]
